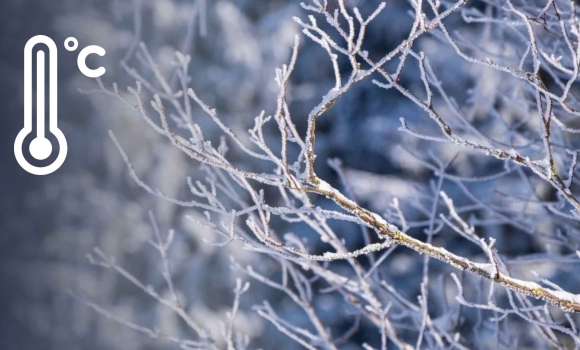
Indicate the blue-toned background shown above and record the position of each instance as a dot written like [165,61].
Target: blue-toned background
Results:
[49,224]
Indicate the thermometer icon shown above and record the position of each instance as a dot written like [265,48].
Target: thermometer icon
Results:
[40,147]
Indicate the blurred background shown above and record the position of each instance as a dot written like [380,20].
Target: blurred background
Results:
[49,224]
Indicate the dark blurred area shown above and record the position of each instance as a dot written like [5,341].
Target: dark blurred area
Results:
[24,225]
[39,261]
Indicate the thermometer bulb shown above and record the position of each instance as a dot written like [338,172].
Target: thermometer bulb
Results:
[40,148]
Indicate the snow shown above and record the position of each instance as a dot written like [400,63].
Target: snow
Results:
[325,186]
[573,298]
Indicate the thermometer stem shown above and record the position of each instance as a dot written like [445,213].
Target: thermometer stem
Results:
[40,105]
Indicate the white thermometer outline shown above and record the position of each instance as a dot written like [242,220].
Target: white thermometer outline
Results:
[40,147]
